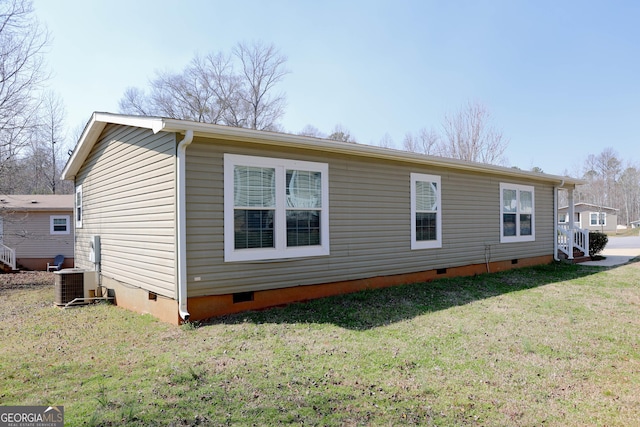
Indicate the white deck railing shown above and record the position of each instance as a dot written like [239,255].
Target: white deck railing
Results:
[572,238]
[8,256]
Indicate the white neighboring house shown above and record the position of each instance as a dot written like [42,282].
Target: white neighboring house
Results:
[34,229]
[591,217]
[635,224]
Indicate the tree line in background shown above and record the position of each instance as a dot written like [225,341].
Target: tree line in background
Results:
[467,134]
[613,183]
[31,118]
[239,88]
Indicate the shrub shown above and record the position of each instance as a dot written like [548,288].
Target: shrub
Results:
[597,242]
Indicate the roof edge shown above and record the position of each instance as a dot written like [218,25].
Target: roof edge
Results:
[94,128]
[275,138]
[99,120]
[592,205]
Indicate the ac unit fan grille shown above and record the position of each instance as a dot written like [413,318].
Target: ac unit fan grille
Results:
[68,286]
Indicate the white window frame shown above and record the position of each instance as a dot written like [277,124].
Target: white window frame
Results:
[78,211]
[518,237]
[426,244]
[67,219]
[563,218]
[600,216]
[280,249]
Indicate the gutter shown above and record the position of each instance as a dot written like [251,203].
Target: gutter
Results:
[182,224]
[156,124]
[555,220]
[231,133]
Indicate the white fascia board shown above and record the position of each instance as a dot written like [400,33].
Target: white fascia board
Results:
[153,123]
[92,132]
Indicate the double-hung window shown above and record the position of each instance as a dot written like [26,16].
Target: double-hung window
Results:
[598,218]
[517,219]
[426,213]
[275,208]
[59,224]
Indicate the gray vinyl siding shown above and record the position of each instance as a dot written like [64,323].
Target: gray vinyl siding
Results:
[369,217]
[29,233]
[585,218]
[128,184]
[611,222]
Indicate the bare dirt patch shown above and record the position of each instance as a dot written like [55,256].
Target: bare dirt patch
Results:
[26,280]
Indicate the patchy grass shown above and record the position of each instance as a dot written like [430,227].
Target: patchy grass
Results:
[553,345]
[625,232]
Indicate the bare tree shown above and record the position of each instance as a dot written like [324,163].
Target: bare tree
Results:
[22,44]
[386,141]
[469,135]
[52,135]
[611,184]
[39,166]
[218,74]
[263,67]
[630,187]
[424,142]
[602,172]
[186,96]
[610,168]
[310,130]
[135,102]
[341,133]
[211,90]
[466,135]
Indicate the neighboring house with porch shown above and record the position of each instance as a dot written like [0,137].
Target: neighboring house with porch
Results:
[34,229]
[635,224]
[591,217]
[188,220]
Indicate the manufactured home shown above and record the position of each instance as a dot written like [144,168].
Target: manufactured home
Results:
[187,220]
[34,229]
[591,217]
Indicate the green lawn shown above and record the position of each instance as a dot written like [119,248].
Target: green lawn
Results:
[625,232]
[557,345]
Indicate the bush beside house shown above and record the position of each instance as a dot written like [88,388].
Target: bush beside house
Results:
[597,242]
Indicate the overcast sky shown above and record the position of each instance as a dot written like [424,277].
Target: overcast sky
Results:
[561,78]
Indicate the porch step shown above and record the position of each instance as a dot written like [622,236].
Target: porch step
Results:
[578,260]
[578,257]
[7,269]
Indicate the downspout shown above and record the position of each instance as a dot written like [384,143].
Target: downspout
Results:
[182,225]
[555,220]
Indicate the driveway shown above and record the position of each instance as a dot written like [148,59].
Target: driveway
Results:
[619,250]
[631,242]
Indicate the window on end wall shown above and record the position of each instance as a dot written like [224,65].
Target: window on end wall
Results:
[78,206]
[593,218]
[517,213]
[426,216]
[59,224]
[275,208]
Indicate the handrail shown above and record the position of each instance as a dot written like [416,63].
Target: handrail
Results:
[570,238]
[8,256]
